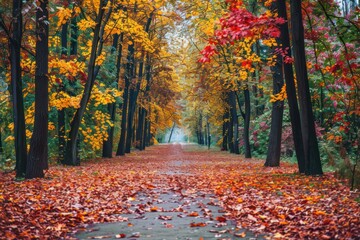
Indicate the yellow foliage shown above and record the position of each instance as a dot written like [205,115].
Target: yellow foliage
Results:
[64,14]
[62,100]
[84,24]
[281,96]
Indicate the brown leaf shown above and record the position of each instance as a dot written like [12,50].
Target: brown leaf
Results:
[200,224]
[221,219]
[193,214]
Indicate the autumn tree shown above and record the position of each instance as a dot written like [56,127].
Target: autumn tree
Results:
[14,34]
[38,153]
[311,149]
[101,20]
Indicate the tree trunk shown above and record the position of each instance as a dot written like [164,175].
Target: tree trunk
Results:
[140,127]
[247,123]
[132,105]
[147,90]
[16,91]
[70,155]
[291,90]
[171,133]
[108,144]
[274,147]
[143,138]
[148,133]
[230,129]
[225,131]
[208,133]
[128,76]
[38,153]
[311,149]
[234,123]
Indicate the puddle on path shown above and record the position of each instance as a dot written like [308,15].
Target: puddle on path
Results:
[169,215]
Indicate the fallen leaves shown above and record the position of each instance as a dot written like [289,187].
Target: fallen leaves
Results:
[275,201]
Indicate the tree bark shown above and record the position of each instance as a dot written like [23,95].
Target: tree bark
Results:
[274,147]
[171,133]
[108,144]
[225,131]
[38,153]
[291,90]
[16,91]
[311,149]
[247,123]
[132,105]
[128,76]
[234,123]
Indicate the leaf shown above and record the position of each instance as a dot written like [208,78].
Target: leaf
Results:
[200,224]
[221,219]
[166,218]
[193,214]
[121,235]
[241,235]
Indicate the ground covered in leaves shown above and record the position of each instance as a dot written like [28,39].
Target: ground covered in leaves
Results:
[276,202]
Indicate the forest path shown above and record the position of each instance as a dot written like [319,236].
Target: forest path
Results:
[177,191]
[167,210]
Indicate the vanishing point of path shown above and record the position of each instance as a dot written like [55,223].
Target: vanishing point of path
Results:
[177,191]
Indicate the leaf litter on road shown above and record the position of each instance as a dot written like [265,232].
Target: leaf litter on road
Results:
[275,201]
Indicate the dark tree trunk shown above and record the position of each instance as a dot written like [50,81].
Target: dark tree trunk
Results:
[38,153]
[208,133]
[291,90]
[16,91]
[225,131]
[234,123]
[311,149]
[230,129]
[128,76]
[200,129]
[134,91]
[274,147]
[61,113]
[247,123]
[148,133]
[143,138]
[108,144]
[70,155]
[74,37]
[147,90]
[132,105]
[171,133]
[140,128]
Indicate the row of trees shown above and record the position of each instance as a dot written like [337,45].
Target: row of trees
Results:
[259,53]
[91,63]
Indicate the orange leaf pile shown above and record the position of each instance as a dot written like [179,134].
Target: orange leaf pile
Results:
[277,202]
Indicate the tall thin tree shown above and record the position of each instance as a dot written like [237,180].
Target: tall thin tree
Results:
[38,153]
[16,89]
[311,149]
